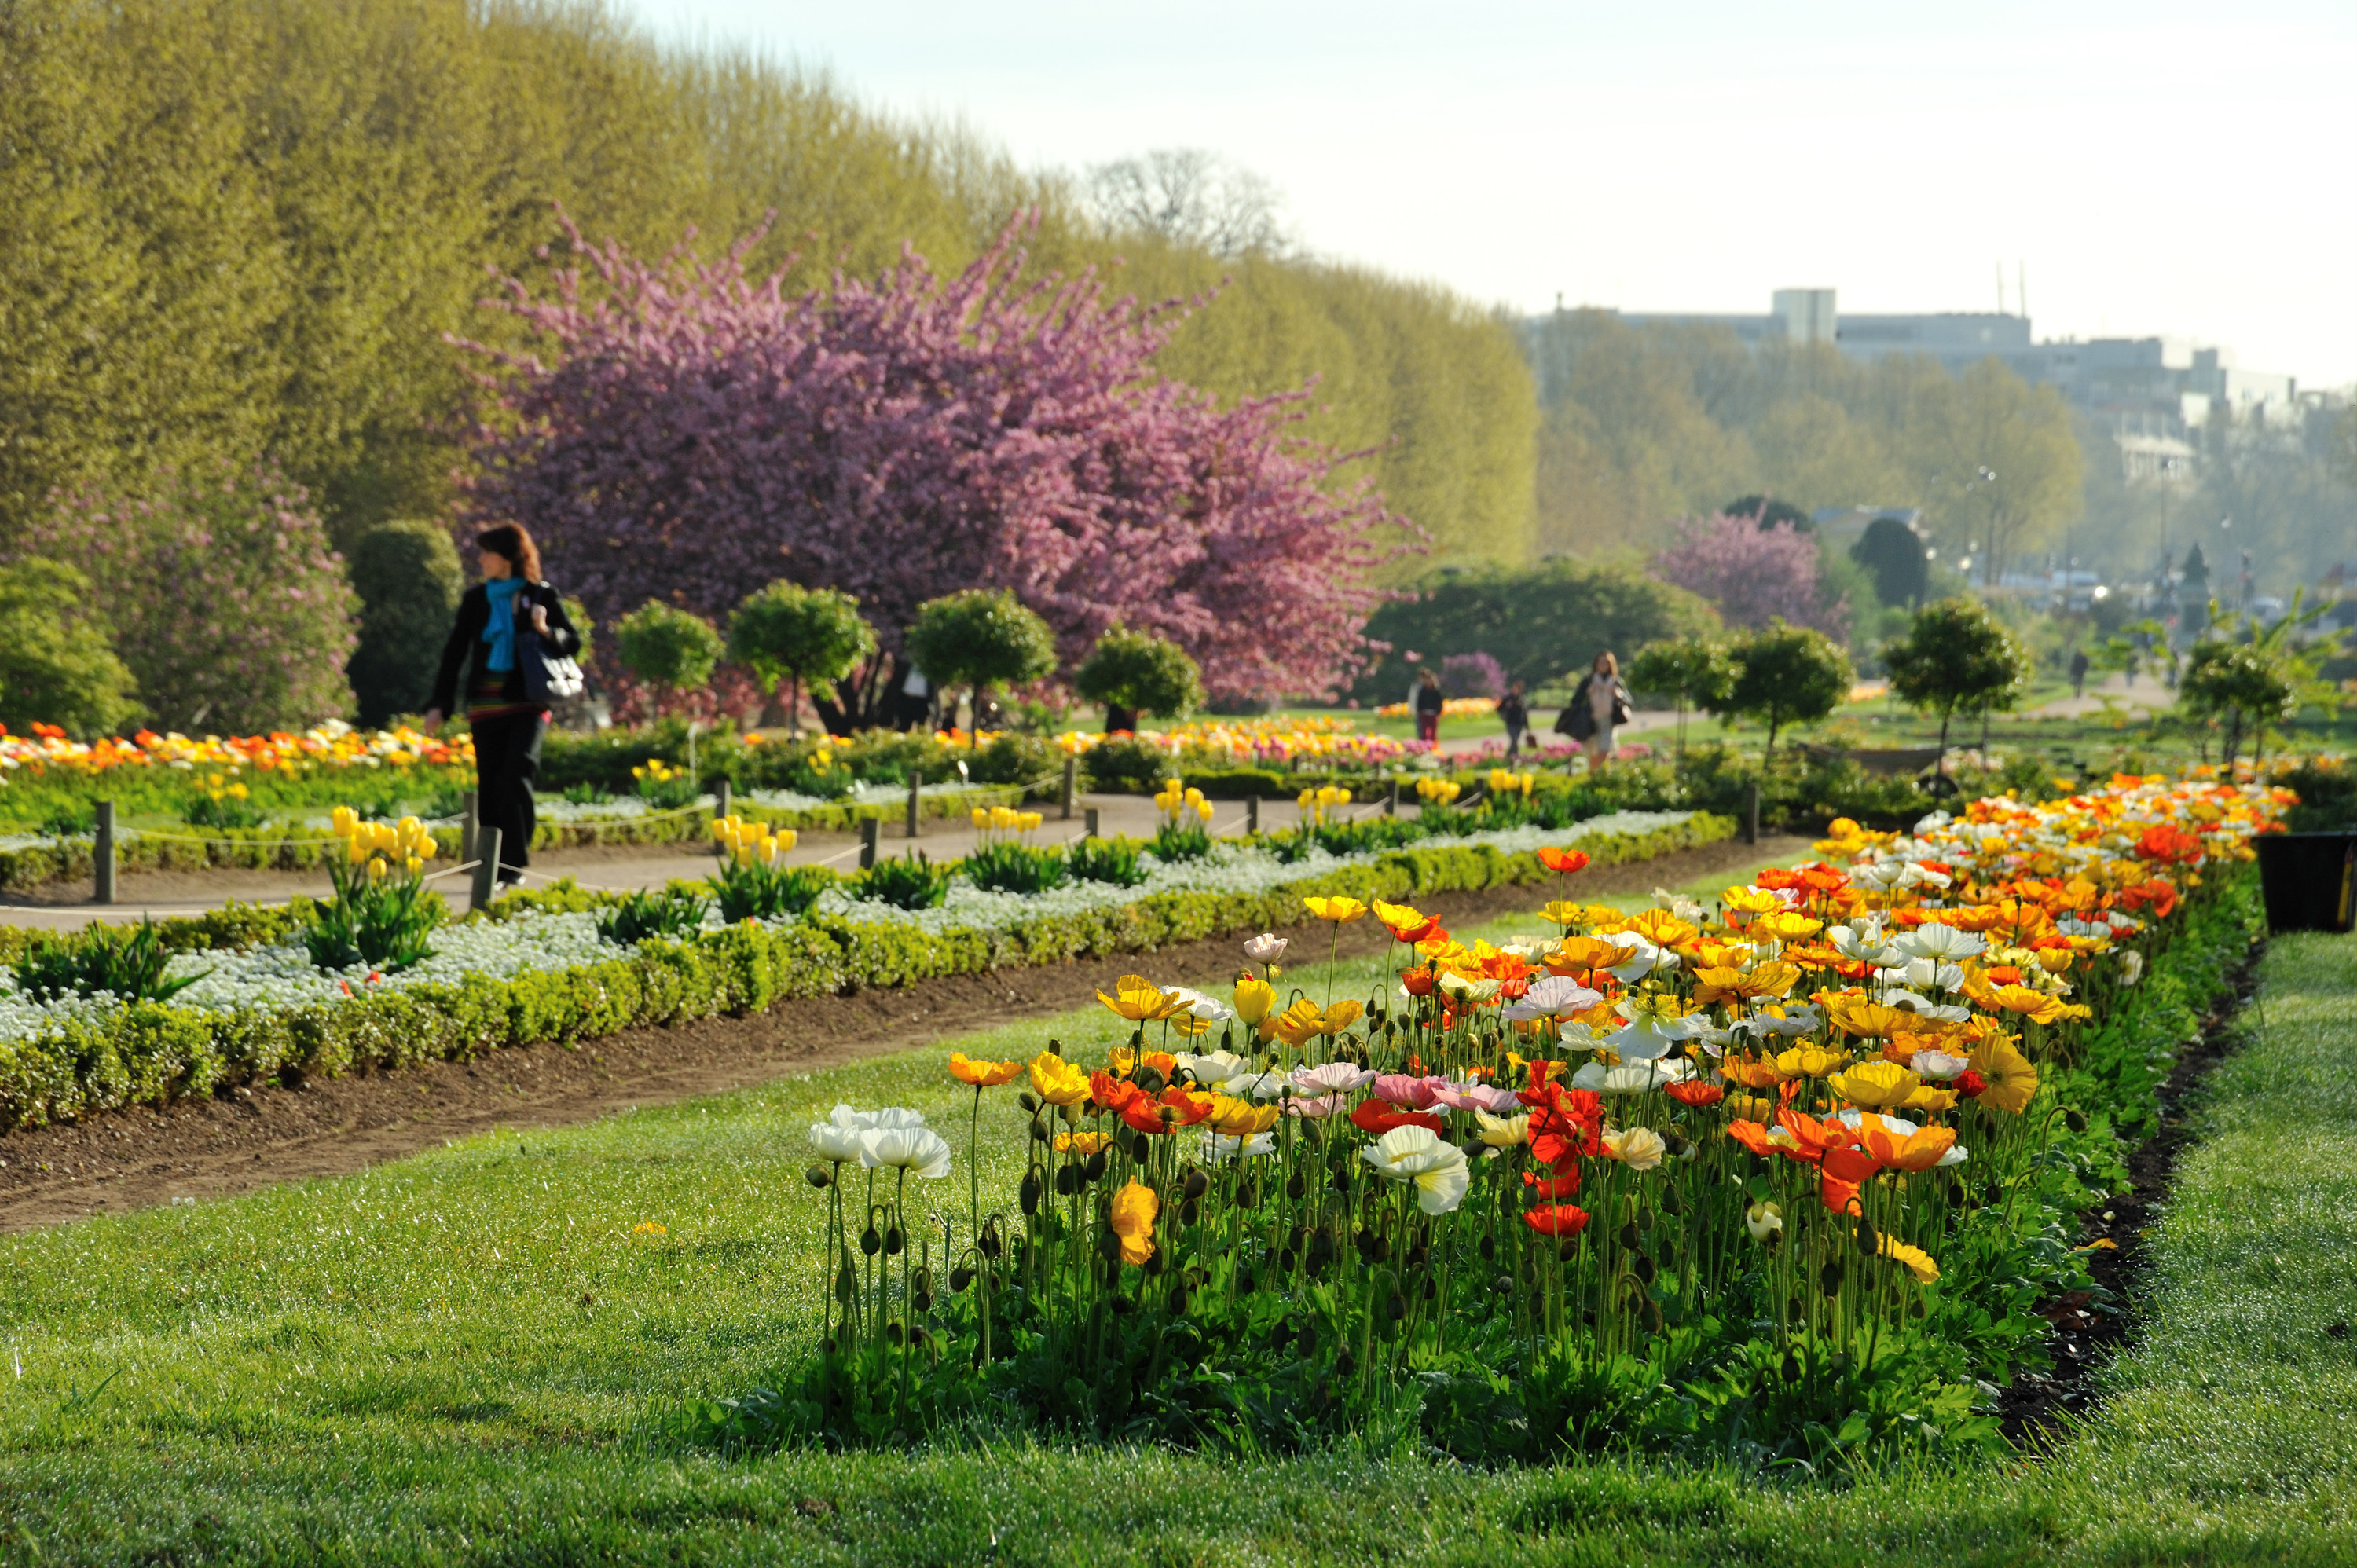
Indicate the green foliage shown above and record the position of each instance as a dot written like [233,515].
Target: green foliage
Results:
[664,914]
[1893,553]
[1006,867]
[982,639]
[58,663]
[409,579]
[1112,861]
[905,882]
[2327,788]
[1141,672]
[1785,674]
[1771,512]
[1539,622]
[1127,765]
[1015,758]
[2239,682]
[1957,659]
[127,964]
[667,647]
[809,638]
[751,891]
[1174,843]
[1692,671]
[387,923]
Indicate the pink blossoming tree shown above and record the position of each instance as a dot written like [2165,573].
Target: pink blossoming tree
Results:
[1752,575]
[690,434]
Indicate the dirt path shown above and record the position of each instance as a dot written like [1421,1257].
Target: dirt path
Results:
[239,1139]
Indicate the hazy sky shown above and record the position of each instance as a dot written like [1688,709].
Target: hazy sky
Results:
[2159,167]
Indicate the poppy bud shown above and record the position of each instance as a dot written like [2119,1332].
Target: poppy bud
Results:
[1915,1307]
[1644,1268]
[1068,1181]
[1566,1249]
[1791,1367]
[1247,1194]
[1644,1219]
[1504,1284]
[1286,1259]
[1038,1131]
[1189,1212]
[1026,1099]
[1418,1260]
[847,1284]
[1488,1248]
[1227,1039]
[1121,1305]
[2075,1120]
[1068,1115]
[988,1243]
[1629,1236]
[1296,1189]
[1095,1169]
[1027,1194]
[1151,1080]
[1395,1308]
[1794,1308]
[1154,1263]
[1246,1285]
[1138,1039]
[960,1277]
[894,1241]
[1431,1287]
[1341,1182]
[870,1242]
[1653,1316]
[817,1177]
[1345,1363]
[1197,1183]
[1108,1245]
[1993,1194]
[1178,1300]
[1139,1148]
[922,1300]
[1829,1281]
[1867,1242]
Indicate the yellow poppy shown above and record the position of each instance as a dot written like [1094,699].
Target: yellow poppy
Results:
[1058,1081]
[1751,900]
[1810,1061]
[1661,928]
[1233,1117]
[1255,1000]
[1874,1086]
[1867,1020]
[981,1074]
[1930,1101]
[1340,910]
[1082,1143]
[1304,1021]
[1141,1000]
[1914,1260]
[1737,986]
[1916,1151]
[2035,1005]
[1134,1209]
[2012,1080]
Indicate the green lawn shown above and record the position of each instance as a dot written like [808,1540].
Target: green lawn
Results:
[460,1358]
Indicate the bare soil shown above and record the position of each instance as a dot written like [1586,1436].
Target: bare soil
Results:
[252,1135]
[2090,1329]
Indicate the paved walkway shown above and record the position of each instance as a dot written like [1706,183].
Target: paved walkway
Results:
[2138,692]
[619,867]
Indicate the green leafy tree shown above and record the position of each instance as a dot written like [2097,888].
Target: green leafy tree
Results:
[667,648]
[981,638]
[808,637]
[1692,671]
[58,663]
[2240,682]
[1134,673]
[1957,659]
[409,579]
[1785,676]
[1894,553]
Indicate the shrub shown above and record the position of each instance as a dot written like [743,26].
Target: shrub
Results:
[667,914]
[1474,674]
[58,663]
[809,638]
[1005,867]
[1016,758]
[1957,659]
[1785,676]
[910,882]
[1133,673]
[1112,861]
[1127,765]
[667,648]
[230,609]
[982,639]
[408,578]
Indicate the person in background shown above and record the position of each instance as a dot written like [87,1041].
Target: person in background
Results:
[1597,708]
[507,725]
[1428,705]
[2079,667]
[1515,713]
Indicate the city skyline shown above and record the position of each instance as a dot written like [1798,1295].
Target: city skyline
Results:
[2157,169]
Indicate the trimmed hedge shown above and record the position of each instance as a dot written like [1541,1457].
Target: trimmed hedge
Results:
[150,1053]
[281,849]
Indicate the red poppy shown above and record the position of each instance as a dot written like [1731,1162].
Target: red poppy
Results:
[1776,879]
[1418,983]
[1824,879]
[1565,1184]
[1695,1094]
[1836,1194]
[1562,1221]
[1565,861]
[1753,1136]
[1849,1164]
[1969,1084]
[1375,1116]
[1109,1091]
[1174,1108]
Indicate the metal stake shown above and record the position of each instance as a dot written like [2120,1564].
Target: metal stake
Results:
[1071,779]
[487,869]
[102,856]
[916,782]
[870,829]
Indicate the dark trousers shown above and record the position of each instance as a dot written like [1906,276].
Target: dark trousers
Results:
[506,759]
[1514,740]
[1427,727]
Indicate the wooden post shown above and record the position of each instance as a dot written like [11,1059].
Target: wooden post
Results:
[471,817]
[870,829]
[726,798]
[1071,779]
[487,869]
[1088,822]
[1751,811]
[916,783]
[1391,802]
[102,856]
[1251,815]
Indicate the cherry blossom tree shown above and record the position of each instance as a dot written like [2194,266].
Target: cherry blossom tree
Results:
[681,431]
[1753,575]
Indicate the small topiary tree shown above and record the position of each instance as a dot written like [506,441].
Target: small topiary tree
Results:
[1894,553]
[1957,659]
[980,638]
[666,647]
[805,636]
[1785,676]
[408,577]
[1769,512]
[1694,671]
[2240,682]
[1134,673]
[58,663]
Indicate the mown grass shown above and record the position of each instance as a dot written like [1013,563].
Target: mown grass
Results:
[461,1358]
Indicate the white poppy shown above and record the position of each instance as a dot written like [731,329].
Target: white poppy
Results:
[1941,943]
[1413,1154]
[1551,996]
[833,1143]
[919,1151]
[1219,1149]
[1208,1009]
[844,1116]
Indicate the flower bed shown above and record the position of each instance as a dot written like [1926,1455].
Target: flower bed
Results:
[1277,745]
[533,969]
[1789,1180]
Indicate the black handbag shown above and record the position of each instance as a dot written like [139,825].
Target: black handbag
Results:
[1577,719]
[546,678]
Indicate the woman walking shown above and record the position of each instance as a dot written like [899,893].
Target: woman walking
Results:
[1429,706]
[1515,713]
[507,721]
[1597,708]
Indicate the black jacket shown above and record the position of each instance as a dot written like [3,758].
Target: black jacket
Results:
[467,641]
[1513,712]
[1577,719]
[1431,700]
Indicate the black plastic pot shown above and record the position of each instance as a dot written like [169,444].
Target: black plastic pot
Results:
[2309,880]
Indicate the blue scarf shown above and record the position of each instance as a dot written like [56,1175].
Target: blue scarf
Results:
[499,629]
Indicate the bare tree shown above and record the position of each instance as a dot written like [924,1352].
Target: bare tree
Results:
[1191,197]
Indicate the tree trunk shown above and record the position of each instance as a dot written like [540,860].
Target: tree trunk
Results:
[1945,716]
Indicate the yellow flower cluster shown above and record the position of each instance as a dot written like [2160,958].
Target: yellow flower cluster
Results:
[333,744]
[994,822]
[1451,708]
[1316,803]
[1505,781]
[1245,743]
[752,843]
[378,849]
[1177,803]
[1439,791]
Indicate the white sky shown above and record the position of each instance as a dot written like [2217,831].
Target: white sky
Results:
[2159,166]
